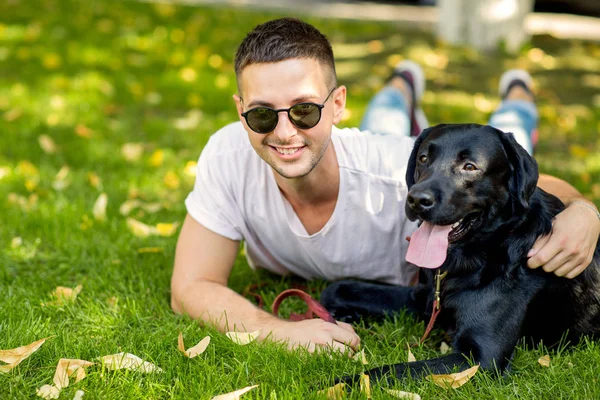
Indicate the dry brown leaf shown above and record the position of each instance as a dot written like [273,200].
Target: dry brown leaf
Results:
[140,229]
[243,338]
[453,381]
[365,385]
[14,357]
[128,361]
[99,210]
[47,144]
[78,395]
[234,395]
[63,295]
[193,351]
[399,394]
[128,206]
[544,361]
[444,348]
[335,392]
[360,356]
[48,392]
[68,367]
[411,356]
[132,151]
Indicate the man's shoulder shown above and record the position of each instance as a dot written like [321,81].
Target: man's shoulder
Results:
[383,155]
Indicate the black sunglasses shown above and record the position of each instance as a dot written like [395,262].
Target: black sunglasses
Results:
[302,115]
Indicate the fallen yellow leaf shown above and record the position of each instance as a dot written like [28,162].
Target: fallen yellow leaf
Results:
[47,144]
[411,356]
[142,250]
[171,180]
[63,295]
[140,229]
[128,361]
[360,356]
[68,367]
[94,179]
[444,348]
[399,394]
[48,392]
[128,206]
[99,210]
[234,395]
[83,131]
[164,229]
[193,351]
[335,392]
[544,361]
[132,151]
[157,158]
[454,381]
[13,357]
[78,395]
[243,338]
[365,385]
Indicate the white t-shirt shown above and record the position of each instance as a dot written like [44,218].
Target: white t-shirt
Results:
[236,196]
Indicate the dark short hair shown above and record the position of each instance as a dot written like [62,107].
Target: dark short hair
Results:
[284,39]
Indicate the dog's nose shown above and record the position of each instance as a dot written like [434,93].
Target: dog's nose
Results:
[420,200]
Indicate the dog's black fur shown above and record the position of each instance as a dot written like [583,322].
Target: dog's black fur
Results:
[490,298]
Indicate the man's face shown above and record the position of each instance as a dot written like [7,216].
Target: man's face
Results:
[290,151]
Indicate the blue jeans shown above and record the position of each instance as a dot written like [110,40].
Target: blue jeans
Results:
[388,114]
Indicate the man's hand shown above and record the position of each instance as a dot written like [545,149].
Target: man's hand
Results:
[316,334]
[569,248]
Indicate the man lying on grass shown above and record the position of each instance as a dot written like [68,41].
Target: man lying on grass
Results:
[313,200]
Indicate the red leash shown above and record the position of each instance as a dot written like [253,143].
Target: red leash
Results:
[314,308]
[437,306]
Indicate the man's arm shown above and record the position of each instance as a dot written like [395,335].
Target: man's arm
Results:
[569,249]
[203,262]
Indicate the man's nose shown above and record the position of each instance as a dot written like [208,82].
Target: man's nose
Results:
[284,129]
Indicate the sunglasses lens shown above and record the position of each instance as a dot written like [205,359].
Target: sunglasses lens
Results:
[262,120]
[305,116]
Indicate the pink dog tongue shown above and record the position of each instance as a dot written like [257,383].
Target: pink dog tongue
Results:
[428,245]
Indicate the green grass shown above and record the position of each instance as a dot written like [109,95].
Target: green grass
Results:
[125,72]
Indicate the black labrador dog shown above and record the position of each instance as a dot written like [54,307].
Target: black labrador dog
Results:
[473,189]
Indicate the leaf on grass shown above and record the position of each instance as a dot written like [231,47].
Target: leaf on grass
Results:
[444,348]
[63,295]
[128,361]
[67,368]
[60,180]
[99,210]
[399,394]
[165,229]
[234,395]
[193,351]
[143,250]
[360,356]
[140,229]
[335,392]
[453,381]
[78,395]
[47,144]
[157,158]
[48,392]
[544,361]
[132,151]
[365,385]
[13,357]
[243,338]
[128,206]
[411,356]
[94,179]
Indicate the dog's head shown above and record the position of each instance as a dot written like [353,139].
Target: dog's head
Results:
[464,177]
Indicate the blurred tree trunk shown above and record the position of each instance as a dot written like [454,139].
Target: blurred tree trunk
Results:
[483,24]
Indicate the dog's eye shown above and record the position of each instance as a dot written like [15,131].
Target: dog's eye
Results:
[423,159]
[469,167]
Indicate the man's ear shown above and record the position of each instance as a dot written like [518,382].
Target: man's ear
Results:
[238,105]
[339,104]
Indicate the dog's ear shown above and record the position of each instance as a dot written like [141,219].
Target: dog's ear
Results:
[412,161]
[523,172]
